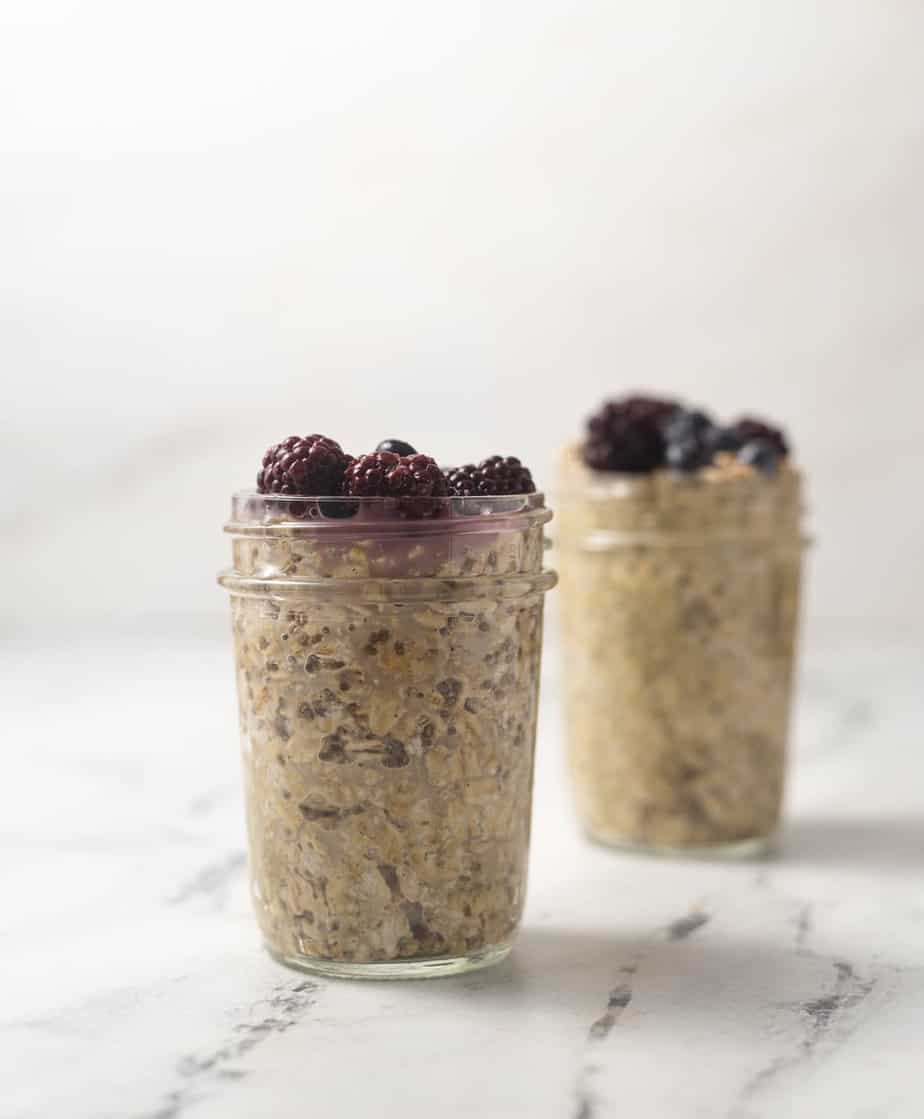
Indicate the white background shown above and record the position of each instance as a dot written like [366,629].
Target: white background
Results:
[460,223]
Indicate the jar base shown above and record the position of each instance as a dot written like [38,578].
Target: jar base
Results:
[431,967]
[755,848]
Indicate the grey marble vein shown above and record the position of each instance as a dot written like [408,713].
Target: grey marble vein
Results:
[212,882]
[686,926]
[821,1020]
[804,924]
[618,999]
[201,1074]
[853,717]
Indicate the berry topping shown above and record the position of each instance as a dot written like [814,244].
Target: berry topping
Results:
[626,435]
[367,475]
[640,434]
[687,455]
[748,428]
[460,480]
[722,439]
[396,447]
[686,424]
[311,465]
[762,454]
[688,435]
[493,476]
[415,480]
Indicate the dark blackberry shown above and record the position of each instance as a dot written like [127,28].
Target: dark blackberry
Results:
[396,446]
[748,428]
[413,480]
[366,475]
[763,454]
[310,465]
[627,435]
[461,480]
[493,476]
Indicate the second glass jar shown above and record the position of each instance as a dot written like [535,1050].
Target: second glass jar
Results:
[680,602]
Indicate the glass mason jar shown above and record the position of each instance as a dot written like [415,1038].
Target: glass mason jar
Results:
[388,679]
[679,607]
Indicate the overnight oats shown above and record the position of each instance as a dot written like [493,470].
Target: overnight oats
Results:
[680,556]
[387,620]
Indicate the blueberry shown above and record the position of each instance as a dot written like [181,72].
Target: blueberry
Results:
[396,447]
[686,455]
[762,454]
[723,439]
[687,424]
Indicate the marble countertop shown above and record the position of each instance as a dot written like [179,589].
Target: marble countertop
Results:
[135,987]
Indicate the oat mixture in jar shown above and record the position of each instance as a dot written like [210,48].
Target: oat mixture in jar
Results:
[387,649]
[680,580]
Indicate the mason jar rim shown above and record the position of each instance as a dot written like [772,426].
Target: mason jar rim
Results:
[610,540]
[296,514]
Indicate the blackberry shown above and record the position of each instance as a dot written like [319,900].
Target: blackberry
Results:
[396,446]
[366,475]
[413,480]
[310,465]
[493,476]
[627,435]
[748,428]
[461,480]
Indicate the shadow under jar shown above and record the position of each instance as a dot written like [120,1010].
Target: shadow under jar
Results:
[388,679]
[679,605]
